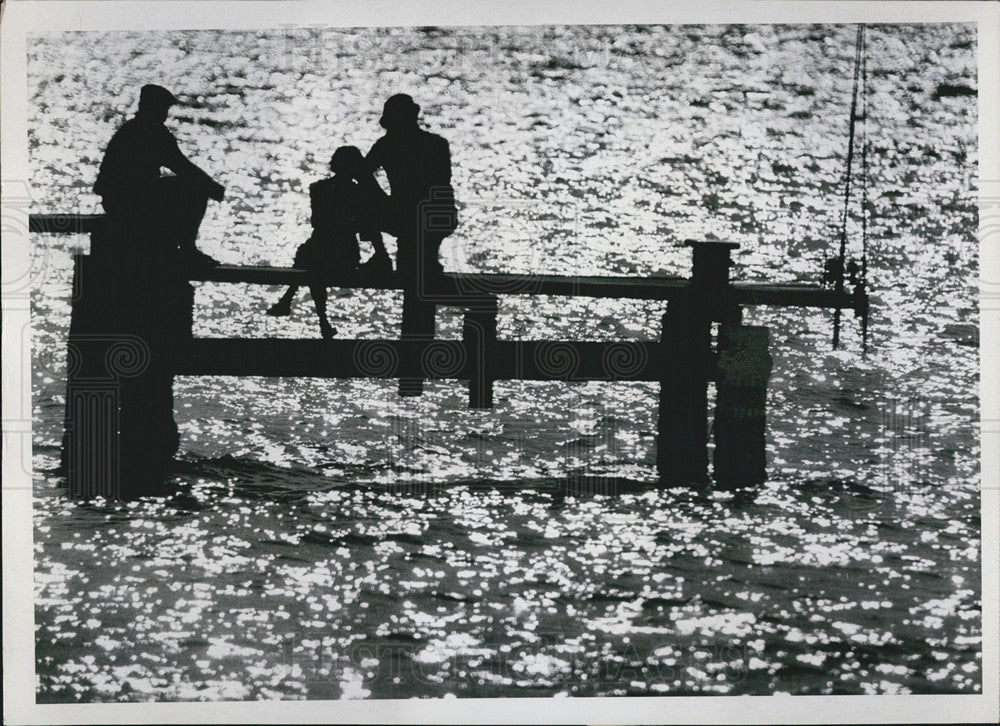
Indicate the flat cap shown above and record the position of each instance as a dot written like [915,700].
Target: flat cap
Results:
[154,95]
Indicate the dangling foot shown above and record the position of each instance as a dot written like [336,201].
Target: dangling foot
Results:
[280,309]
[327,330]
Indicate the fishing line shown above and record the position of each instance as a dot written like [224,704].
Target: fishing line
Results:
[863,279]
[858,60]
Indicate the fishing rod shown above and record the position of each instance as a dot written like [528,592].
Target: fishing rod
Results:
[835,269]
[861,285]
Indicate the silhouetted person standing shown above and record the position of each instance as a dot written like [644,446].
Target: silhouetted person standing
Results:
[420,211]
[164,211]
[341,211]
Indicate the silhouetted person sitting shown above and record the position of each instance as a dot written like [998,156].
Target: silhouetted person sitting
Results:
[419,212]
[341,211]
[163,210]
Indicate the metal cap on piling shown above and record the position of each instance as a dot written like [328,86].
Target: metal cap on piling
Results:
[711,261]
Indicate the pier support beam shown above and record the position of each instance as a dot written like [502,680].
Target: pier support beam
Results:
[740,408]
[417,324]
[682,437]
[129,316]
[682,442]
[479,336]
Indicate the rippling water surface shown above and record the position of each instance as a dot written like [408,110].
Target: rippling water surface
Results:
[327,539]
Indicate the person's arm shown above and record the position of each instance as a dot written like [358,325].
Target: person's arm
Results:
[315,205]
[370,192]
[180,165]
[442,170]
[373,159]
[367,216]
[366,174]
[440,174]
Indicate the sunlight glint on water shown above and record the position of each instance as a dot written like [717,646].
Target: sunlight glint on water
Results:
[330,540]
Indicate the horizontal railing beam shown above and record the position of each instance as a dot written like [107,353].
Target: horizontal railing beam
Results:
[65,223]
[643,288]
[456,288]
[791,295]
[254,275]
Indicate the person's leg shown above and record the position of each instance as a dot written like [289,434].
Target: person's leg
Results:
[284,304]
[319,296]
[305,259]
[183,208]
[187,206]
[382,209]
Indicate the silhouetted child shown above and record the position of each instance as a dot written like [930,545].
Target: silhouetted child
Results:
[340,212]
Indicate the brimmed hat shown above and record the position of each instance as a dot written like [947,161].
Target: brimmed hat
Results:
[399,108]
[153,95]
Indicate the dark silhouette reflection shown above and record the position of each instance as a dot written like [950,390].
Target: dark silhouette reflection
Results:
[341,211]
[163,212]
[420,210]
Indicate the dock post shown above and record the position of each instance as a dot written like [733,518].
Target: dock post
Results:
[417,324]
[682,436]
[710,266]
[740,409]
[682,442]
[129,316]
[479,335]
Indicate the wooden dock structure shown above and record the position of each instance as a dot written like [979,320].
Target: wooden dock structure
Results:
[126,345]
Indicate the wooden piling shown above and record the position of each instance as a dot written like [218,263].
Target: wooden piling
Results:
[130,314]
[479,336]
[744,367]
[418,324]
[682,441]
[682,435]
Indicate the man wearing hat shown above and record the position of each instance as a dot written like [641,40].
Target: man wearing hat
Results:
[420,210]
[167,210]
